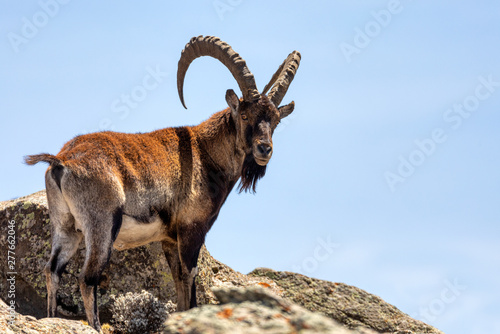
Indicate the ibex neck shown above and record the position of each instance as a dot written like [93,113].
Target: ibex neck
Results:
[217,138]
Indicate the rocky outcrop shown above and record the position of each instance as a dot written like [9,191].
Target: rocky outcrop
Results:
[12,322]
[252,310]
[145,268]
[142,268]
[347,304]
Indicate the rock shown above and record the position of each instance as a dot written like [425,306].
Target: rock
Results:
[347,304]
[30,325]
[145,268]
[142,268]
[252,310]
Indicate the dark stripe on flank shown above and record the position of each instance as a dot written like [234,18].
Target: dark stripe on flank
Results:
[185,157]
[217,181]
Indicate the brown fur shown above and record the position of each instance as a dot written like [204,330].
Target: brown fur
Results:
[125,190]
[117,190]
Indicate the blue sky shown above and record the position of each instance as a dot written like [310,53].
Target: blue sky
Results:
[386,176]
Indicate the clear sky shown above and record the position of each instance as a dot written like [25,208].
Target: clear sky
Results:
[386,176]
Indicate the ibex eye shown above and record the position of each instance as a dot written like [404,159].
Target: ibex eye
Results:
[244,117]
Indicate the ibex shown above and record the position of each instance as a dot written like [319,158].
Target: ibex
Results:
[117,190]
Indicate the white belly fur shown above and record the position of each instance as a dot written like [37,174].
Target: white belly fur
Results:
[134,234]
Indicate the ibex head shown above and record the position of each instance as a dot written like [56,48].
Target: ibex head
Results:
[255,115]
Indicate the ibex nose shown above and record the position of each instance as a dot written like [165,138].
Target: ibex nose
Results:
[265,149]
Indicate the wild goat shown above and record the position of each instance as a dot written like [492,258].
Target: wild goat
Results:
[126,190]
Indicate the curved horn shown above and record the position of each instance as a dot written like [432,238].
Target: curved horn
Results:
[214,47]
[283,78]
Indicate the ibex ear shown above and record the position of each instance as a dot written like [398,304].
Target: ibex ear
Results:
[286,110]
[232,101]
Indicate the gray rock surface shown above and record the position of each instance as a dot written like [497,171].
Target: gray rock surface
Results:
[253,310]
[145,268]
[142,268]
[347,304]
[30,325]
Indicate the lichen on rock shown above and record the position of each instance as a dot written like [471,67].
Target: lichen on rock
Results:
[346,304]
[133,270]
[253,310]
[145,268]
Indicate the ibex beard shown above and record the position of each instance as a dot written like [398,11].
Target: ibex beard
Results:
[117,190]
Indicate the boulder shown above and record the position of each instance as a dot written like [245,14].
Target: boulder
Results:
[145,268]
[142,268]
[253,310]
[13,322]
[347,304]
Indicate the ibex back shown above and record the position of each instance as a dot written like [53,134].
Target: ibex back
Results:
[126,190]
